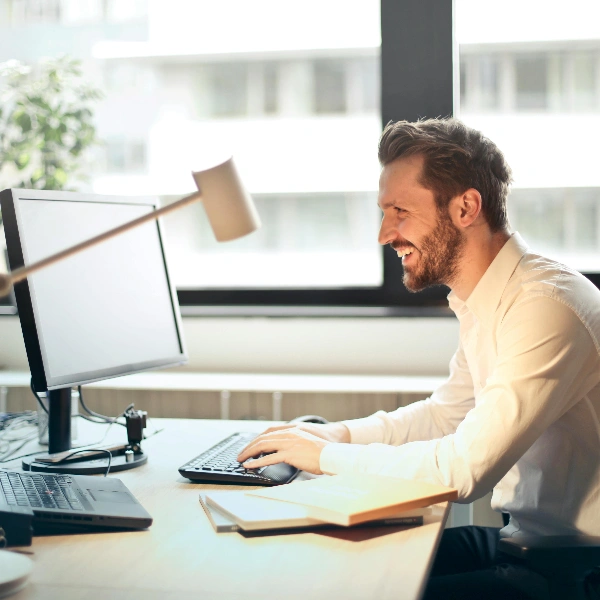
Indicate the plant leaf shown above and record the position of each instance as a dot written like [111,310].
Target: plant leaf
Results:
[23,160]
[23,120]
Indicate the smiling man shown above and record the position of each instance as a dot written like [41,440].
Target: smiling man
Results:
[520,411]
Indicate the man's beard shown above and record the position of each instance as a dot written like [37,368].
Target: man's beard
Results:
[439,257]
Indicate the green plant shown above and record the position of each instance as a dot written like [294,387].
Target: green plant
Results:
[46,124]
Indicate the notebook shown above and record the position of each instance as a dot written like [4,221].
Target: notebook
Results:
[236,510]
[353,498]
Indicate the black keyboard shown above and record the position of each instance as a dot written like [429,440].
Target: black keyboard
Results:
[39,491]
[219,464]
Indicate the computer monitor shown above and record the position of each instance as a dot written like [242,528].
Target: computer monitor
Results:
[107,311]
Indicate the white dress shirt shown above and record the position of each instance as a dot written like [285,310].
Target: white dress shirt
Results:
[520,411]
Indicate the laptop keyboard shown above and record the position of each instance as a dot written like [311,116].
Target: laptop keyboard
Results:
[219,464]
[39,491]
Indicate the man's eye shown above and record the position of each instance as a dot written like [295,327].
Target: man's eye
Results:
[398,209]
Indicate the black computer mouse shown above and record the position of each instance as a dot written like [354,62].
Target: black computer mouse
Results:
[310,419]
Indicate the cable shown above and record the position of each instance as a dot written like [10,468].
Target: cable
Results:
[7,457]
[98,415]
[37,397]
[86,447]
[90,412]
[8,438]
[97,418]
[94,420]
[155,430]
[44,407]
[88,450]
[7,419]
[10,421]
[14,428]
[10,457]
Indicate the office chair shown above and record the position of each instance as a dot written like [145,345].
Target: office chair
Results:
[564,560]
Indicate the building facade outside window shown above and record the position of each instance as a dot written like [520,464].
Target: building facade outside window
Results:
[296,104]
[535,91]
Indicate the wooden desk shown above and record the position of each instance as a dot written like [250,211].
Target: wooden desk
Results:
[181,557]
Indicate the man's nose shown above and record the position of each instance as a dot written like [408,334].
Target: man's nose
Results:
[387,232]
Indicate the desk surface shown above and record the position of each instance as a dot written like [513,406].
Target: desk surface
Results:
[181,557]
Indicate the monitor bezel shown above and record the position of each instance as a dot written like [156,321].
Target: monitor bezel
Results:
[9,202]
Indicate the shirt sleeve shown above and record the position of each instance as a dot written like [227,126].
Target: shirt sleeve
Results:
[546,362]
[435,417]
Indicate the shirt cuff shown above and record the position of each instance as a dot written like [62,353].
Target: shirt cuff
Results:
[338,458]
[368,430]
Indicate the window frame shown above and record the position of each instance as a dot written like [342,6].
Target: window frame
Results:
[427,85]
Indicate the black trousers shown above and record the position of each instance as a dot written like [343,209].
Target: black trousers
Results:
[468,567]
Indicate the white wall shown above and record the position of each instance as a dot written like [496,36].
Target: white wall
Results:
[392,346]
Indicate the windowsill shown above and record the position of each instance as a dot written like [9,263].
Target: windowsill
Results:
[316,311]
[301,311]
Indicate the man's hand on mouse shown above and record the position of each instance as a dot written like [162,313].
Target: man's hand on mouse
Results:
[297,445]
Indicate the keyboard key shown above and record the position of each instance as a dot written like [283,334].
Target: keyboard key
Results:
[39,491]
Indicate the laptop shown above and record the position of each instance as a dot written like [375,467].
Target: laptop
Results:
[61,503]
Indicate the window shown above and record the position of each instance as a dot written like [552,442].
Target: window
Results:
[501,80]
[229,84]
[330,86]
[561,222]
[585,74]
[28,12]
[125,156]
[270,87]
[307,240]
[128,78]
[531,78]
[301,106]
[74,12]
[123,10]
[540,103]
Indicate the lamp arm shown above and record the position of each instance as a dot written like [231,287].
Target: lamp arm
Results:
[9,279]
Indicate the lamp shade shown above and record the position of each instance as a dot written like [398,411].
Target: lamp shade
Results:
[228,205]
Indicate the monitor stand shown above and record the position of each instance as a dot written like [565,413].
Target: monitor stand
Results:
[95,466]
[123,457]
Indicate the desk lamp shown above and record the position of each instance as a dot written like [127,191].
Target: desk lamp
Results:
[228,205]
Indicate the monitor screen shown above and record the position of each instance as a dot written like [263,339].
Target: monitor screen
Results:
[109,310]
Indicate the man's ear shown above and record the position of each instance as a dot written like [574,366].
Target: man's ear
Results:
[465,208]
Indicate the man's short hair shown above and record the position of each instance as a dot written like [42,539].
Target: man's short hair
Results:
[456,158]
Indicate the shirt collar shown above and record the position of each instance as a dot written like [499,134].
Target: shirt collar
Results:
[484,299]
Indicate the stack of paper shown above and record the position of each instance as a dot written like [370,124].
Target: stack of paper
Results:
[342,500]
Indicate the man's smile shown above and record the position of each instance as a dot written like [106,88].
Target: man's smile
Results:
[404,253]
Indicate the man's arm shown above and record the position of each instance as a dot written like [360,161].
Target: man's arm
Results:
[427,419]
[298,445]
[546,363]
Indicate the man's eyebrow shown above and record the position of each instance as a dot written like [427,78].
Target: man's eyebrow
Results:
[392,202]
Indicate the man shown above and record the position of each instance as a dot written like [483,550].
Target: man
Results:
[520,412]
